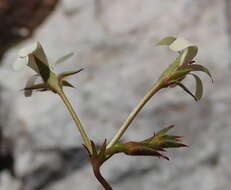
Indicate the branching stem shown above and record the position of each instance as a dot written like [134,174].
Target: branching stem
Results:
[76,119]
[134,113]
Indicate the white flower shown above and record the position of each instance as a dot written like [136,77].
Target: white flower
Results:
[35,57]
[28,55]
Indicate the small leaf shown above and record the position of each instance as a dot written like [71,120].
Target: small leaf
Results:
[166,41]
[199,86]
[185,89]
[196,67]
[64,58]
[30,82]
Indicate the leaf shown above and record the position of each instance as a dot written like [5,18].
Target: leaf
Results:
[30,82]
[185,89]
[166,41]
[199,86]
[64,58]
[196,67]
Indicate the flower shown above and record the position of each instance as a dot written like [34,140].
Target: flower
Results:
[152,146]
[35,57]
[183,65]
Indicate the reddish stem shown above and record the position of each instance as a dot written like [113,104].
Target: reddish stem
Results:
[100,178]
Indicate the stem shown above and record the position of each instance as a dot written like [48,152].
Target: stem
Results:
[134,113]
[100,178]
[75,117]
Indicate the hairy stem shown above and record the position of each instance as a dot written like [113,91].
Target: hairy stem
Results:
[134,113]
[76,119]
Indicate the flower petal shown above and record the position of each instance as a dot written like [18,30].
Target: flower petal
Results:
[166,41]
[180,44]
[64,58]
[30,82]
[20,63]
[28,50]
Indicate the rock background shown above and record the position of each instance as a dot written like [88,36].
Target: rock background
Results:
[114,42]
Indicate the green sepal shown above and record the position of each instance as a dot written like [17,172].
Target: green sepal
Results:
[40,86]
[185,89]
[66,83]
[149,147]
[164,131]
[199,86]
[68,73]
[196,67]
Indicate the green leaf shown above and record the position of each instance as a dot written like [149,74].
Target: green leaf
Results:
[185,89]
[199,86]
[166,41]
[201,68]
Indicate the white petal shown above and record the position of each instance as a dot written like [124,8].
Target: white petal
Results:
[179,44]
[28,50]
[36,49]
[30,82]
[20,63]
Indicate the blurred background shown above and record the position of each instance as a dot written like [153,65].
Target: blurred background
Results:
[114,40]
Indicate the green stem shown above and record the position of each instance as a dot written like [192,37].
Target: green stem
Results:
[134,113]
[75,117]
